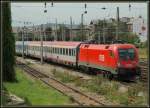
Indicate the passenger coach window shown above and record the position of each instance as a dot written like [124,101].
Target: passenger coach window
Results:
[57,50]
[49,49]
[63,51]
[53,50]
[69,52]
[74,52]
[60,50]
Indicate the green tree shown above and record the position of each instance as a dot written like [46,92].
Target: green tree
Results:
[8,44]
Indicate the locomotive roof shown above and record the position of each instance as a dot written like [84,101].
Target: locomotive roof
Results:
[107,46]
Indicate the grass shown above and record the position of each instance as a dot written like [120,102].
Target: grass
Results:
[34,91]
[64,76]
[107,88]
[143,53]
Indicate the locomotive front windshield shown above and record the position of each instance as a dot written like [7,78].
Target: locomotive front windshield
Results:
[126,54]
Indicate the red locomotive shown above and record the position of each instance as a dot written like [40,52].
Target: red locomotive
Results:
[114,60]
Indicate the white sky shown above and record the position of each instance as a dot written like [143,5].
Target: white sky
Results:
[34,12]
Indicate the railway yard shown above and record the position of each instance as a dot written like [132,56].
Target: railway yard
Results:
[75,54]
[85,89]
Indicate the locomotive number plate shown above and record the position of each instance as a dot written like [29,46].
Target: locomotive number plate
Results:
[101,57]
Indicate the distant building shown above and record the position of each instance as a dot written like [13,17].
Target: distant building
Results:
[138,26]
[125,19]
[36,29]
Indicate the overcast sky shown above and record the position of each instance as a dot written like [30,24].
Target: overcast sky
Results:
[34,12]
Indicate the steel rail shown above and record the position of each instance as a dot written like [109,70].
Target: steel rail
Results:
[78,96]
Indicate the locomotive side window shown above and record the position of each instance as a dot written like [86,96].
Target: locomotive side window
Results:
[126,54]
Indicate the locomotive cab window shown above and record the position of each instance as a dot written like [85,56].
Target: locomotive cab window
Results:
[126,54]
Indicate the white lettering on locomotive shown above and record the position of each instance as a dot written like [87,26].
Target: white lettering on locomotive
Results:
[101,57]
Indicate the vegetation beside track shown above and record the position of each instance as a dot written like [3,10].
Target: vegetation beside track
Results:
[109,89]
[34,92]
[143,53]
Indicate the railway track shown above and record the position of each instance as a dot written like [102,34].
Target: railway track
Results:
[144,70]
[143,64]
[78,96]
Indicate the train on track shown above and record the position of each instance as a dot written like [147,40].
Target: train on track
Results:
[112,60]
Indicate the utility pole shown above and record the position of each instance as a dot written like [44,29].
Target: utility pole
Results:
[63,33]
[103,32]
[99,37]
[103,28]
[33,33]
[117,27]
[82,25]
[26,38]
[41,33]
[22,42]
[71,29]
[56,38]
